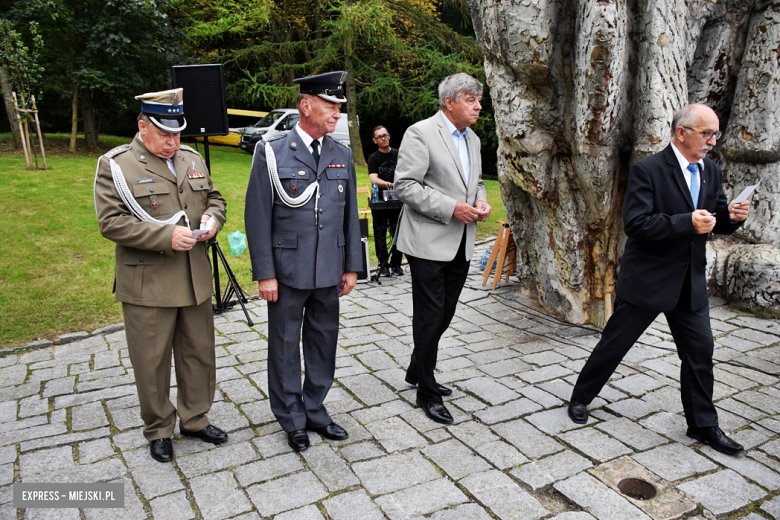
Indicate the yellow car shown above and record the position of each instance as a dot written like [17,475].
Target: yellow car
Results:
[238,120]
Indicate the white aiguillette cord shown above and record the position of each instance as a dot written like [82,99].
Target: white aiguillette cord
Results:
[292,202]
[132,204]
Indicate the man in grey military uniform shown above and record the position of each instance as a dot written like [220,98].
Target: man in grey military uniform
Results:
[304,241]
[149,197]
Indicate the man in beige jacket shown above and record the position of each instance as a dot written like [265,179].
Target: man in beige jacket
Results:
[439,180]
[150,196]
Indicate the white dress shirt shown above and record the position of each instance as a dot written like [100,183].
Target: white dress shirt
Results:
[684,166]
[307,139]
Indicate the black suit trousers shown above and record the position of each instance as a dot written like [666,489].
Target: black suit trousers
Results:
[693,337]
[436,287]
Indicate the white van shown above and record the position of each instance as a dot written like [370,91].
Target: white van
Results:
[281,121]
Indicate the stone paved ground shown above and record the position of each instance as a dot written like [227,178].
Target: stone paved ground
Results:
[69,413]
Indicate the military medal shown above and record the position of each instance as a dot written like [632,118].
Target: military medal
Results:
[154,203]
[293,189]
[196,175]
[341,188]
[336,166]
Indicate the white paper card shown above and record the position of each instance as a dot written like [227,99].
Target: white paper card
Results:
[198,232]
[747,192]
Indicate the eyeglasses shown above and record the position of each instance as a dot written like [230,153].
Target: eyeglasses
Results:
[383,136]
[706,134]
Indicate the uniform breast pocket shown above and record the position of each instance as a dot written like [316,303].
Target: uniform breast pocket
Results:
[337,183]
[154,198]
[294,180]
[141,278]
[200,190]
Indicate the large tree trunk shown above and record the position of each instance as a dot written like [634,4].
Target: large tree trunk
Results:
[583,89]
[88,116]
[7,88]
[74,119]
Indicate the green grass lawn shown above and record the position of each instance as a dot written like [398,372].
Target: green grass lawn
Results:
[56,270]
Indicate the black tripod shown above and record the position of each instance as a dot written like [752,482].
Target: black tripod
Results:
[224,302]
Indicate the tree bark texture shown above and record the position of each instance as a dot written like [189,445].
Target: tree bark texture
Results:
[7,88]
[582,89]
[74,119]
[88,117]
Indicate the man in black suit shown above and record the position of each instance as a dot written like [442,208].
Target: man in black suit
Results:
[663,269]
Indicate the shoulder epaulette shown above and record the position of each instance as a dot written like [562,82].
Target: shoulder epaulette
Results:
[116,151]
[340,143]
[274,138]
[188,149]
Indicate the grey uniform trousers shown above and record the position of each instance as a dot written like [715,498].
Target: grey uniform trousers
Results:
[317,310]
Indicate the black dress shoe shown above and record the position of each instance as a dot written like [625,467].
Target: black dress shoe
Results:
[331,431]
[210,434]
[298,440]
[715,438]
[436,412]
[443,390]
[161,450]
[578,412]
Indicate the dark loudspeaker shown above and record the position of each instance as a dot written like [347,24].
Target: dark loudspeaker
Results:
[204,99]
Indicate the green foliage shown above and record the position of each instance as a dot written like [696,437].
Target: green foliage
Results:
[19,59]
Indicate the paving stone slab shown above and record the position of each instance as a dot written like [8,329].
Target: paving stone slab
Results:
[133,510]
[305,513]
[368,389]
[329,468]
[472,433]
[543,472]
[396,435]
[268,469]
[92,451]
[355,505]
[488,390]
[669,425]
[381,412]
[218,495]
[151,477]
[286,493]
[215,459]
[722,492]
[674,462]
[361,451]
[746,467]
[421,499]
[631,433]
[772,507]
[531,442]
[555,421]
[462,512]
[510,410]
[58,440]
[598,499]
[506,499]
[175,506]
[632,408]
[394,472]
[501,454]
[455,459]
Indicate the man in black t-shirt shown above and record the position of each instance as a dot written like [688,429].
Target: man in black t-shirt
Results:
[381,169]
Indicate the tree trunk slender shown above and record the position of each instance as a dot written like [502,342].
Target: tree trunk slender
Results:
[74,120]
[7,88]
[88,116]
[354,128]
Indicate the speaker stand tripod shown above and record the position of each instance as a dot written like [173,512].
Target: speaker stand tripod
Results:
[224,302]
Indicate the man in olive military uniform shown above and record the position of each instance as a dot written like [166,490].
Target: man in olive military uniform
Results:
[149,197]
[304,241]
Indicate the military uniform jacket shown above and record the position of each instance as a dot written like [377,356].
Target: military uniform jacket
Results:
[148,271]
[286,243]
